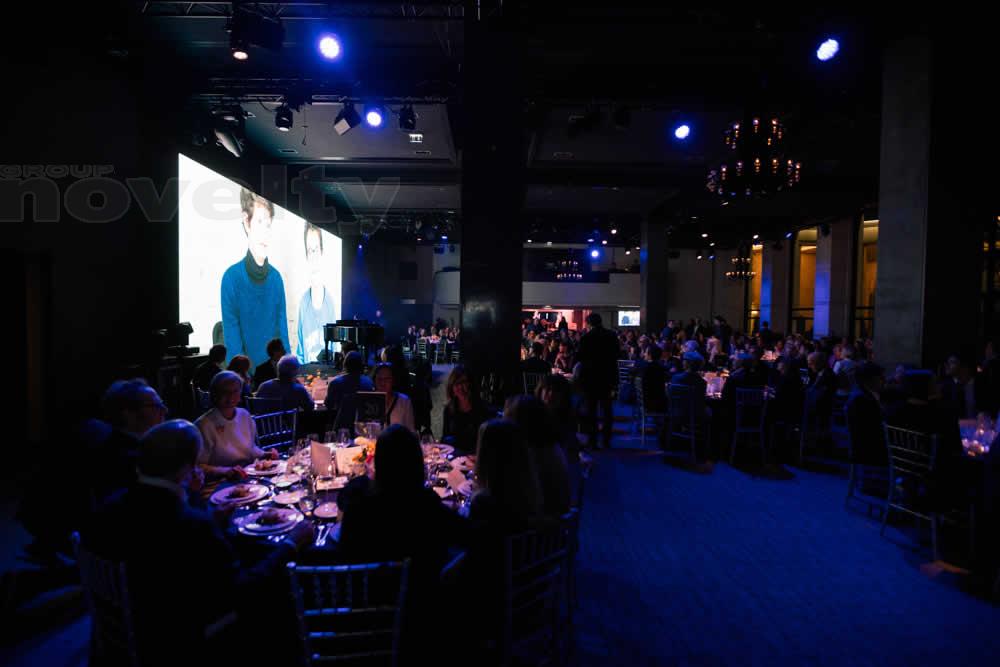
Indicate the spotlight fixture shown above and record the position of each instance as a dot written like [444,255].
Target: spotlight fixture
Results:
[682,132]
[407,118]
[604,242]
[614,231]
[595,253]
[283,118]
[238,48]
[828,49]
[248,26]
[329,46]
[347,119]
[374,115]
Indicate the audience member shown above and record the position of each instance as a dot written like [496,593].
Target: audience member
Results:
[340,395]
[536,363]
[269,369]
[540,435]
[464,412]
[228,431]
[207,370]
[286,389]
[240,364]
[598,359]
[398,409]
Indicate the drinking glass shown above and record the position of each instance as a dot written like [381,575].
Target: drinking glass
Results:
[374,430]
[427,439]
[343,437]
[361,429]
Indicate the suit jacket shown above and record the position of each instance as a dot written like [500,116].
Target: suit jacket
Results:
[598,356]
[864,421]
[111,464]
[182,573]
[266,371]
[738,379]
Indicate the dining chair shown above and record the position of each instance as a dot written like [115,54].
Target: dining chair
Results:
[530,381]
[105,586]
[684,422]
[262,406]
[456,353]
[536,567]
[202,399]
[658,418]
[860,473]
[422,348]
[626,367]
[350,613]
[751,412]
[276,429]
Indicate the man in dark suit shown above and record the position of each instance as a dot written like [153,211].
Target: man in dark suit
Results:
[208,370]
[654,381]
[864,417]
[269,369]
[598,359]
[183,577]
[691,377]
[819,394]
[536,363]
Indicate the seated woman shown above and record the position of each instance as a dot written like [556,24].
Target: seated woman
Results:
[540,435]
[240,364]
[509,496]
[229,432]
[398,409]
[464,413]
[400,518]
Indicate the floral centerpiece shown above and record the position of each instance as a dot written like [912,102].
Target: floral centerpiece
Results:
[366,455]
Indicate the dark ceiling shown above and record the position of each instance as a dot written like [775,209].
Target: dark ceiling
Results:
[633,70]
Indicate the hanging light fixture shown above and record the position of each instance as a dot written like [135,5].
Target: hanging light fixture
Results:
[758,165]
[741,269]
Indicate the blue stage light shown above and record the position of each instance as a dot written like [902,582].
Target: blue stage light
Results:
[374,116]
[595,253]
[682,132]
[828,49]
[329,47]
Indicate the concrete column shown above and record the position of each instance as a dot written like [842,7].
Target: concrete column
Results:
[653,276]
[834,266]
[932,198]
[774,286]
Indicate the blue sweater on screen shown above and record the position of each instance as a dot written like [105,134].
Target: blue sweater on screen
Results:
[253,309]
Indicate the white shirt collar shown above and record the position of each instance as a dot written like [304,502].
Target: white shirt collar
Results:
[161,483]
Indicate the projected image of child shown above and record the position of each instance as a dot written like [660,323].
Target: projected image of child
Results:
[316,306]
[253,293]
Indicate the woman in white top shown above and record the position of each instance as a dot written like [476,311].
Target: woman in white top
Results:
[229,432]
[398,409]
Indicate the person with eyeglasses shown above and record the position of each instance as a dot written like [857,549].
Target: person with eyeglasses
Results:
[316,307]
[132,408]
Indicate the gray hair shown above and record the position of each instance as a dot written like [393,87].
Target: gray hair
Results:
[122,396]
[221,379]
[288,367]
[168,447]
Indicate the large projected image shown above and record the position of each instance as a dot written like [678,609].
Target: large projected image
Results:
[250,271]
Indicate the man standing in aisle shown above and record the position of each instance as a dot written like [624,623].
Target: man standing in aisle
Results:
[598,359]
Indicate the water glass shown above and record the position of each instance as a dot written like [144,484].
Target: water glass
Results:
[361,429]
[329,436]
[343,437]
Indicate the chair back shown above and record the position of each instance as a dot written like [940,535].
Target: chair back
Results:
[535,570]
[750,409]
[276,429]
[456,353]
[530,381]
[261,406]
[202,398]
[422,348]
[105,585]
[625,368]
[911,454]
[640,397]
[350,613]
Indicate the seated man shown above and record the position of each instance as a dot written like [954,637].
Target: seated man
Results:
[340,394]
[864,417]
[654,381]
[206,371]
[269,369]
[183,577]
[691,377]
[286,388]
[536,362]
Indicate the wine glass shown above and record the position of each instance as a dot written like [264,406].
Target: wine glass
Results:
[343,437]
[361,429]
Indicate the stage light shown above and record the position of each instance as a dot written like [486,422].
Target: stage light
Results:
[283,118]
[444,237]
[227,139]
[628,252]
[682,132]
[604,242]
[595,253]
[828,49]
[346,119]
[590,240]
[788,235]
[756,236]
[374,115]
[238,47]
[329,47]
[614,231]
[529,240]
[704,235]
[407,118]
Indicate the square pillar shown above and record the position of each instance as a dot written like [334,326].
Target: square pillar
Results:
[653,276]
[834,267]
[775,286]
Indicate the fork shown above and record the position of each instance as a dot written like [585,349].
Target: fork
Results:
[322,534]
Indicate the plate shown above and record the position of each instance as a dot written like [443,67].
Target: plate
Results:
[331,483]
[445,450]
[327,510]
[289,497]
[257,492]
[466,489]
[464,463]
[276,469]
[286,479]
[289,517]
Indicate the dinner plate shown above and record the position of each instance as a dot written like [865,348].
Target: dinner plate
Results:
[445,450]
[464,463]
[286,479]
[289,497]
[276,469]
[257,492]
[328,510]
[289,517]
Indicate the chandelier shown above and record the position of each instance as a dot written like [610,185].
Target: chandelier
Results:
[741,269]
[568,269]
[758,165]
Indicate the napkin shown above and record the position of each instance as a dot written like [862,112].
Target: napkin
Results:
[345,457]
[321,457]
[455,479]
[440,490]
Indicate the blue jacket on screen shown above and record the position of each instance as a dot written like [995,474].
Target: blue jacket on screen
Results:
[253,309]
